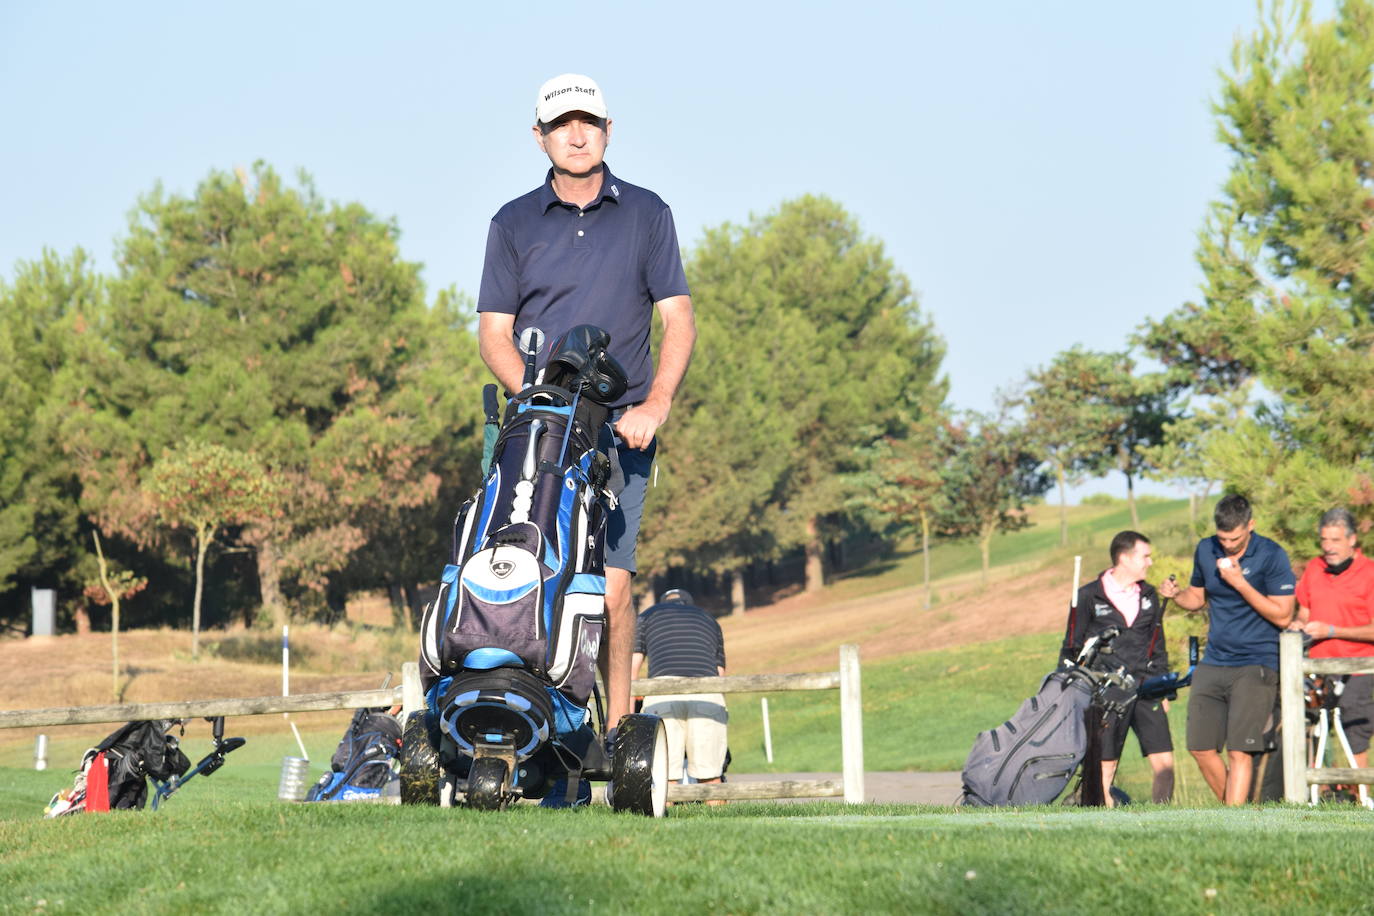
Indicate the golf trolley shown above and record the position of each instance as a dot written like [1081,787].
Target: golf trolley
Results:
[115,773]
[1322,695]
[206,766]
[509,645]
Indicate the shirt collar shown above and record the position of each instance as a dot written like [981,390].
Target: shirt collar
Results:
[1112,586]
[610,190]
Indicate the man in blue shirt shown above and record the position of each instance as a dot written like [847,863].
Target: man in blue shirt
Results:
[1247,581]
[589,248]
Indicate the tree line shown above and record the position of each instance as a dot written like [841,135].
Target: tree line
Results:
[260,413]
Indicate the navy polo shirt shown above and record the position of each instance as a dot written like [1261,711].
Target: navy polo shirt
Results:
[1238,635]
[555,266]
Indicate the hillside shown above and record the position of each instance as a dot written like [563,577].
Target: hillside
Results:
[880,608]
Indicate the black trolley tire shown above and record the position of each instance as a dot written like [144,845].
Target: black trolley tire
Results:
[639,766]
[486,780]
[419,763]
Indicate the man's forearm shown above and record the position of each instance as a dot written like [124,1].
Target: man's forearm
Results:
[1191,599]
[675,353]
[497,349]
[1364,633]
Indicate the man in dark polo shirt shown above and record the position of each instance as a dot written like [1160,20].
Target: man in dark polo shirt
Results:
[1336,609]
[1247,582]
[586,247]
[682,640]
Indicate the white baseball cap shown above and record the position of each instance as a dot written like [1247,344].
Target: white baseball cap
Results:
[569,92]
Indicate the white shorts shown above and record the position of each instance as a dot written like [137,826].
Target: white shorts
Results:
[695,724]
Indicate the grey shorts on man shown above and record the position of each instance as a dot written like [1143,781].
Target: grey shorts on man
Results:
[1233,706]
[630,469]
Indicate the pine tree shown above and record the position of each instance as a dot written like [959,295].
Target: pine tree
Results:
[1288,254]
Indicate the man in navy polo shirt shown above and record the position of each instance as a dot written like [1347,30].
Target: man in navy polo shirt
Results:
[586,247]
[1247,582]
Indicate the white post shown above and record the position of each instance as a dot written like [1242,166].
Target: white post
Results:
[851,725]
[412,695]
[1292,718]
[1077,571]
[285,661]
[40,753]
[767,732]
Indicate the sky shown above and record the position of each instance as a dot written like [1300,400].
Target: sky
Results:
[1039,171]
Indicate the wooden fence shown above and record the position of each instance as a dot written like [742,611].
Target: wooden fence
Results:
[408,695]
[1297,775]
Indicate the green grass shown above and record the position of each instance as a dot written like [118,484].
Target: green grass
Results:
[262,857]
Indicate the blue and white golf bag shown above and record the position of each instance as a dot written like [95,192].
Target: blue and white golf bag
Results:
[509,644]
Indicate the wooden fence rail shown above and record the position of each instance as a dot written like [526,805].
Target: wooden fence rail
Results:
[1297,775]
[409,696]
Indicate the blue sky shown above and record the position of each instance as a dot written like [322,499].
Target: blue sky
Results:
[1039,170]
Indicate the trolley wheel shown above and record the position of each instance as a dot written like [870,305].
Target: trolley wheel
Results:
[639,766]
[486,784]
[419,763]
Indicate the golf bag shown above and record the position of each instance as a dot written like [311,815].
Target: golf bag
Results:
[114,774]
[509,644]
[362,765]
[1030,758]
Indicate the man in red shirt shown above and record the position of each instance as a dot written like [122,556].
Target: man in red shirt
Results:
[1336,608]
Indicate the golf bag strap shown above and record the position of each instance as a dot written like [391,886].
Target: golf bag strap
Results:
[570,791]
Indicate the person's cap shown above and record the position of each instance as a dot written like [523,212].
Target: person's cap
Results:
[675,596]
[569,92]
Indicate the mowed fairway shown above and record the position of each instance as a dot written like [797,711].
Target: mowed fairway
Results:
[814,858]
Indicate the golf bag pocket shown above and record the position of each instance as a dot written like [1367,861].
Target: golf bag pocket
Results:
[498,600]
[1030,758]
[582,619]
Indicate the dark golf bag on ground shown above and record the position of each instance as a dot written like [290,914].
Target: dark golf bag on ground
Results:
[1030,758]
[361,768]
[114,774]
[509,645]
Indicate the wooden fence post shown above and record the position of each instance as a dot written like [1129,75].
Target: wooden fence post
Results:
[1293,718]
[851,725]
[412,695]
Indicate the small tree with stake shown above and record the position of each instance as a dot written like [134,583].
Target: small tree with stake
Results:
[204,487]
[112,587]
[991,472]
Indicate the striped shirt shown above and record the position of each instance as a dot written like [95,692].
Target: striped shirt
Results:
[681,640]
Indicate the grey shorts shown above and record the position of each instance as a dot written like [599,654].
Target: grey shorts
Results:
[1357,711]
[630,469]
[1236,707]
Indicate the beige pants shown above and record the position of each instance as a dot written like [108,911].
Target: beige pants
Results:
[695,724]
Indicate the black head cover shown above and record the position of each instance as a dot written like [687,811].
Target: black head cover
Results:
[578,360]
